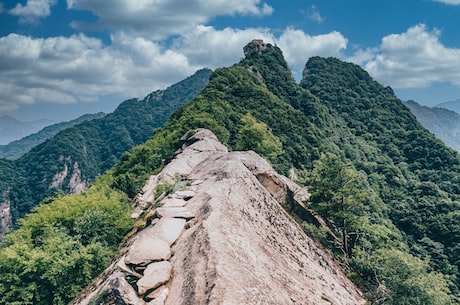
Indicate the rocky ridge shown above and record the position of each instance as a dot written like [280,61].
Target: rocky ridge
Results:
[220,235]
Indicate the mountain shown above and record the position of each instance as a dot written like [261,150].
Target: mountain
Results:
[233,241]
[12,129]
[73,158]
[444,123]
[17,148]
[452,105]
[384,202]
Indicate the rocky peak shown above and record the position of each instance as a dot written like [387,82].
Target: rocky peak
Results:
[220,236]
[256,46]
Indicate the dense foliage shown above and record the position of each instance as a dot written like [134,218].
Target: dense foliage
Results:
[62,245]
[414,174]
[92,147]
[388,190]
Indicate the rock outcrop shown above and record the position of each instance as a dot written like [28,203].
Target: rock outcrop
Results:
[221,236]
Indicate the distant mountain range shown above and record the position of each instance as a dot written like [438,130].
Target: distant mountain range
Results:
[452,105]
[444,123]
[12,129]
[17,148]
[75,156]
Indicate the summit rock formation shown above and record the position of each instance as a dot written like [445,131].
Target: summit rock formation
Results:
[220,235]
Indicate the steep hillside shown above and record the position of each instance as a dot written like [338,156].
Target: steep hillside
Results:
[16,149]
[70,160]
[348,138]
[233,242]
[444,123]
[384,192]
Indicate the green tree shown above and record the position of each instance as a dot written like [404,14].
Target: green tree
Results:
[338,194]
[408,279]
[257,136]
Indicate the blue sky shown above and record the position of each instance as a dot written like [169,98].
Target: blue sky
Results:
[63,58]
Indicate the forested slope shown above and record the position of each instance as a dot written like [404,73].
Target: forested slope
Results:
[73,158]
[387,189]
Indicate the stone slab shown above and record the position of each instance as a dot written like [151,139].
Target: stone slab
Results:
[175,212]
[147,248]
[173,202]
[169,229]
[155,275]
[186,194]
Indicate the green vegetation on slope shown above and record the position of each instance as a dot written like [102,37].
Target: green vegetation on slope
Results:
[387,189]
[80,153]
[414,174]
[61,246]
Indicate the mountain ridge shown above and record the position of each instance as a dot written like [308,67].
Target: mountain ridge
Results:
[384,191]
[12,129]
[17,148]
[444,123]
[451,105]
[70,160]
[232,204]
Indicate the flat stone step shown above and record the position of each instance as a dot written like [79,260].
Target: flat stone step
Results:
[168,229]
[148,248]
[175,212]
[173,202]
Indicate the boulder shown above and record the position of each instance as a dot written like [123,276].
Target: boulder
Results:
[185,195]
[155,275]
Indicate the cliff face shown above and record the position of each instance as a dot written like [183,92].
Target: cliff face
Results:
[220,236]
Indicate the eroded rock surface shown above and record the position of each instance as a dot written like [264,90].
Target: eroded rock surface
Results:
[241,246]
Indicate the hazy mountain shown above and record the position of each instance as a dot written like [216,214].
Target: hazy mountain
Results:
[444,123]
[452,105]
[384,200]
[70,160]
[12,129]
[17,148]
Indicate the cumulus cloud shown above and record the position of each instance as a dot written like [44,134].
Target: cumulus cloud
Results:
[32,11]
[413,59]
[160,18]
[206,46]
[81,69]
[298,46]
[452,2]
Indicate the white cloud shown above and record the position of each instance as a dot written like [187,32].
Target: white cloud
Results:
[315,15]
[160,18]
[452,2]
[80,68]
[32,11]
[413,59]
[206,46]
[298,46]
